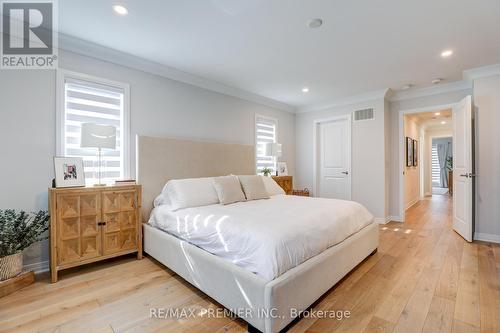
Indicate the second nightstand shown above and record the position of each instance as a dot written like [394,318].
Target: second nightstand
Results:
[285,182]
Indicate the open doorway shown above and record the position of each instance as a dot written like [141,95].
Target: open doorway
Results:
[428,155]
[417,129]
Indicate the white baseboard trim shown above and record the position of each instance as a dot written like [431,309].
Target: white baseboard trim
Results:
[396,219]
[487,237]
[382,220]
[37,267]
[412,203]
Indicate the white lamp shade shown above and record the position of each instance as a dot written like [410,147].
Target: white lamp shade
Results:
[272,149]
[98,136]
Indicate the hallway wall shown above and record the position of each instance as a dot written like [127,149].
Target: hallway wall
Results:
[412,173]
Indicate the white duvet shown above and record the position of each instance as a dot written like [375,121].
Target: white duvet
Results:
[267,237]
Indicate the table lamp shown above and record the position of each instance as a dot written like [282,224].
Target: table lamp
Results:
[100,137]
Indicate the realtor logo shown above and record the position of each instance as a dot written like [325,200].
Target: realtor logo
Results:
[29,39]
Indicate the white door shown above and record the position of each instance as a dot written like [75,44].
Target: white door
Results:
[333,151]
[462,168]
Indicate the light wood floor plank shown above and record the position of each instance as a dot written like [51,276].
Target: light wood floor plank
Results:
[467,304]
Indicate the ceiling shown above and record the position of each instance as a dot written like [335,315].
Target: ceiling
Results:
[265,46]
[433,120]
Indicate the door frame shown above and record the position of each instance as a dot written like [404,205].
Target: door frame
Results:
[316,124]
[402,152]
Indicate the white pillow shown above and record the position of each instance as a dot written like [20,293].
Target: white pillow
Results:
[272,187]
[254,188]
[228,189]
[190,192]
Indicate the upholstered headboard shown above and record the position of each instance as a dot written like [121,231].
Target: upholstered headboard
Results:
[162,159]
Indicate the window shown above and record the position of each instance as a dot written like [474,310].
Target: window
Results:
[436,169]
[85,99]
[265,132]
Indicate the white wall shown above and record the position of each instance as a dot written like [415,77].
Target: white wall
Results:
[368,153]
[487,102]
[159,107]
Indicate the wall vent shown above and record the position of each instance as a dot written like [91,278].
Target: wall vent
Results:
[365,114]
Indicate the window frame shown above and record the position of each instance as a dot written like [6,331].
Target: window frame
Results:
[275,120]
[62,75]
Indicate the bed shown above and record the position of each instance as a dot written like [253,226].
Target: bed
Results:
[263,294]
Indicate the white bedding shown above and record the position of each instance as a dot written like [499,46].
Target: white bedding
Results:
[267,237]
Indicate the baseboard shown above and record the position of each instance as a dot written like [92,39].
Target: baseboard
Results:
[427,194]
[412,203]
[487,237]
[382,220]
[396,218]
[37,267]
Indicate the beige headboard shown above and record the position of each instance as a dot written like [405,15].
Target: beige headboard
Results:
[162,159]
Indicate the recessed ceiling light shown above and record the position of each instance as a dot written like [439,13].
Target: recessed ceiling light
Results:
[305,90]
[437,113]
[436,81]
[315,23]
[446,53]
[443,122]
[120,10]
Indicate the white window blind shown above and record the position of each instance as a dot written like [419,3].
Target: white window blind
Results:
[265,132]
[436,170]
[91,102]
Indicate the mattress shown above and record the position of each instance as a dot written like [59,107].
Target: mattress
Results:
[267,237]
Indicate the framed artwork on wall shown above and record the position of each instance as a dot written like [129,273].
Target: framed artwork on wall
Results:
[415,152]
[409,152]
[69,171]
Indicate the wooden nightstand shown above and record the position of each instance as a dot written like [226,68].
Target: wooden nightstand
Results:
[285,182]
[89,224]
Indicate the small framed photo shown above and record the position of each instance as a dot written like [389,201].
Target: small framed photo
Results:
[69,171]
[282,169]
[415,153]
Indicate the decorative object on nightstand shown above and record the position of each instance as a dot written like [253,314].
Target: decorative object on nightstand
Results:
[267,171]
[100,137]
[282,169]
[285,182]
[301,193]
[93,223]
[273,150]
[69,172]
[18,230]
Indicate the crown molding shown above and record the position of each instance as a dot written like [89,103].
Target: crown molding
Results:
[355,99]
[476,73]
[89,49]
[433,90]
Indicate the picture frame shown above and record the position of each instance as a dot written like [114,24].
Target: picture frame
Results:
[69,172]
[409,151]
[282,169]
[415,153]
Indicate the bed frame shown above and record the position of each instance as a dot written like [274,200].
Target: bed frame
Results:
[264,305]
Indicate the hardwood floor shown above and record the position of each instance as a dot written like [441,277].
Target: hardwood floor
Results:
[424,277]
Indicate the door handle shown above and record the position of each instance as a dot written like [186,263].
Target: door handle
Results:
[345,172]
[466,175]
[472,175]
